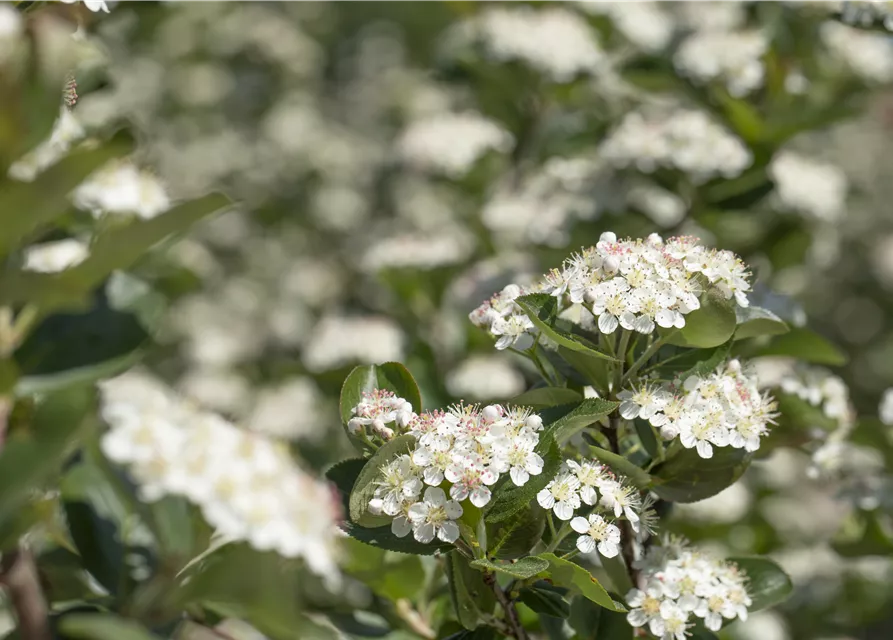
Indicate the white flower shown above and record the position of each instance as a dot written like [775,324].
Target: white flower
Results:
[247,486]
[597,531]
[52,257]
[399,484]
[644,605]
[561,496]
[451,143]
[511,331]
[379,408]
[672,622]
[92,5]
[435,516]
[471,479]
[121,188]
[733,57]
[885,411]
[681,139]
[517,457]
[555,41]
[809,187]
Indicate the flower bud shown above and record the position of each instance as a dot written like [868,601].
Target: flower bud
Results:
[611,264]
[492,412]
[608,236]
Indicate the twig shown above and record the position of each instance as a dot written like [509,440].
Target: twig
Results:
[18,575]
[646,355]
[511,614]
[414,619]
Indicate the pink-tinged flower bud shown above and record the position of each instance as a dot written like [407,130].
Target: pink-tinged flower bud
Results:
[354,426]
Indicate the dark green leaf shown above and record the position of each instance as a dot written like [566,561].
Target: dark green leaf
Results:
[708,364]
[472,598]
[755,321]
[26,206]
[481,633]
[767,584]
[515,537]
[365,485]
[542,310]
[547,397]
[805,345]
[638,476]
[566,420]
[30,459]
[710,326]
[103,626]
[865,534]
[82,346]
[522,569]
[392,576]
[509,499]
[565,573]
[686,477]
[595,371]
[544,601]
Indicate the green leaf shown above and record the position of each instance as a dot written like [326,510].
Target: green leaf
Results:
[95,517]
[390,575]
[638,476]
[545,601]
[522,569]
[515,537]
[564,421]
[686,477]
[472,598]
[29,460]
[547,397]
[745,119]
[542,309]
[595,371]
[756,321]
[103,626]
[767,584]
[861,536]
[708,365]
[27,206]
[592,622]
[365,485]
[343,475]
[481,633]
[807,346]
[117,248]
[81,346]
[509,499]
[709,326]
[565,573]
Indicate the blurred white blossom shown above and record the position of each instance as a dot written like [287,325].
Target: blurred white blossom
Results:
[735,58]
[340,340]
[51,257]
[291,409]
[122,188]
[451,143]
[809,187]
[484,377]
[885,410]
[869,55]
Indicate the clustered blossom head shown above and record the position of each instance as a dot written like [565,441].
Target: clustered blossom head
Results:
[634,284]
[378,409]
[829,393]
[678,582]
[592,484]
[723,408]
[808,187]
[469,447]
[735,58]
[682,139]
[247,486]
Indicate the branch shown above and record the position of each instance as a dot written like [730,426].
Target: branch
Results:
[511,614]
[18,575]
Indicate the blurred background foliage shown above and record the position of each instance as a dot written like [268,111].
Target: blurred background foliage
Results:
[371,219]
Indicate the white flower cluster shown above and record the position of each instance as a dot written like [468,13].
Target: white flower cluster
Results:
[682,139]
[52,257]
[376,410]
[644,24]
[634,284]
[556,42]
[339,340]
[247,486]
[829,393]
[67,131]
[451,143]
[809,187]
[869,55]
[723,408]
[735,58]
[678,582]
[595,485]
[468,446]
[120,188]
